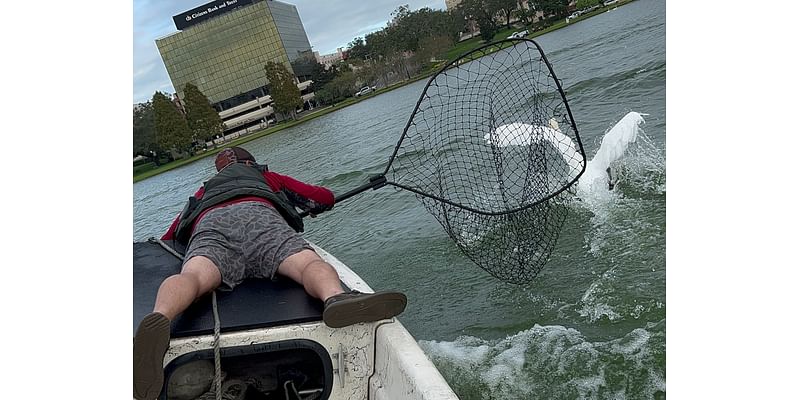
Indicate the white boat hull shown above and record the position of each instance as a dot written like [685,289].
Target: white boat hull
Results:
[379,360]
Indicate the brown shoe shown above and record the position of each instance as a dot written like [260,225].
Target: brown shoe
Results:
[149,346]
[350,308]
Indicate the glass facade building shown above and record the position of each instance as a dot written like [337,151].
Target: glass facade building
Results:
[290,29]
[225,52]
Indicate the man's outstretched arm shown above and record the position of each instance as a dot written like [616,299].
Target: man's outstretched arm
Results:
[311,198]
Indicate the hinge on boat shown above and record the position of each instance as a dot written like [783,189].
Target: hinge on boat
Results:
[340,366]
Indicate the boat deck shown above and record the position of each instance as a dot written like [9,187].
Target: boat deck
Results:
[256,303]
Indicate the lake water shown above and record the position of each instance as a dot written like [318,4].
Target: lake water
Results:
[593,323]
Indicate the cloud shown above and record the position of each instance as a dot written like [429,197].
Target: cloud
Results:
[328,24]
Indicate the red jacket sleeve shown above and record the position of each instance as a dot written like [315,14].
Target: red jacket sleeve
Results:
[315,199]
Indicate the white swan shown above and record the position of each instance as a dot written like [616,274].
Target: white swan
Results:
[520,134]
[612,147]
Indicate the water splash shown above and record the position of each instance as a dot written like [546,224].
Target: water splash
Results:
[626,170]
[594,304]
[553,362]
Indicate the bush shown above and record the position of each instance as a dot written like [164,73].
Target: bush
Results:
[581,4]
[326,96]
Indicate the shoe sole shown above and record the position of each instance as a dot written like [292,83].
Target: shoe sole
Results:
[367,308]
[149,346]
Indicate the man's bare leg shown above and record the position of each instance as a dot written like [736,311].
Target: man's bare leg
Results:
[321,280]
[308,269]
[198,277]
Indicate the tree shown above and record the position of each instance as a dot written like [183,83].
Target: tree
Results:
[488,28]
[557,8]
[525,11]
[322,76]
[313,70]
[172,132]
[284,92]
[505,7]
[482,12]
[144,130]
[433,47]
[581,4]
[357,48]
[405,32]
[408,28]
[202,119]
[404,46]
[338,89]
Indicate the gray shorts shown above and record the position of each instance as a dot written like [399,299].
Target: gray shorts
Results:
[245,240]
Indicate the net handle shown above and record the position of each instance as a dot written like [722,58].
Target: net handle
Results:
[375,182]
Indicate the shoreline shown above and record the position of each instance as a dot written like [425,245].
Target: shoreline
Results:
[461,48]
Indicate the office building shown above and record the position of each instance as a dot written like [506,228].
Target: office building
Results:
[222,47]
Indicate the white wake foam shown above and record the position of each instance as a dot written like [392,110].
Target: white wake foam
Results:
[551,360]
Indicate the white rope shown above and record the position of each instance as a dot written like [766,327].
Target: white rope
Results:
[166,247]
[217,367]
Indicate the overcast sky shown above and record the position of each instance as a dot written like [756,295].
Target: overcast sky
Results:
[328,24]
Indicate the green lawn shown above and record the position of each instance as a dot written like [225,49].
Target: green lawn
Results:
[469,44]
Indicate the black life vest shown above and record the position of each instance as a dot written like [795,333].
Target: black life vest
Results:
[235,180]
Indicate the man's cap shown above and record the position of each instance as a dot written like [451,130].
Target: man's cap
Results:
[232,155]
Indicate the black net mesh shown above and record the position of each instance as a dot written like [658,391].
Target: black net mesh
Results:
[492,151]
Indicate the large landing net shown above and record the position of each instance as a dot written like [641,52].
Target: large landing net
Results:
[492,151]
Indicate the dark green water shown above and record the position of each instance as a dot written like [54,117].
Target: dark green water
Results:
[593,324]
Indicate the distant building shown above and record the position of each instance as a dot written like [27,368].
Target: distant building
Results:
[222,47]
[450,4]
[329,59]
